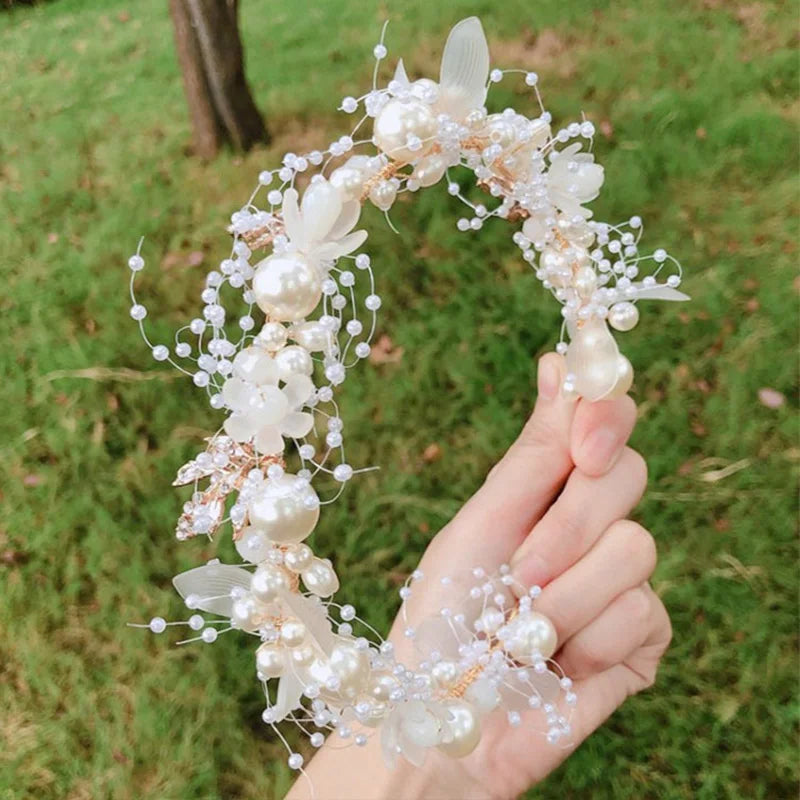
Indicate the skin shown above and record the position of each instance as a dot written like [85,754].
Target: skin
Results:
[555,508]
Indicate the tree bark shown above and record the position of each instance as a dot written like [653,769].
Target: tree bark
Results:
[211,60]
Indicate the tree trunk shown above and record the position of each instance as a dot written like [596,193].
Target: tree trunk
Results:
[211,60]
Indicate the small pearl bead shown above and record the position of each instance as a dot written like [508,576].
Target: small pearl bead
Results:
[379,51]
[209,635]
[349,105]
[531,79]
[136,263]
[265,178]
[295,761]
[160,352]
[158,625]
[138,312]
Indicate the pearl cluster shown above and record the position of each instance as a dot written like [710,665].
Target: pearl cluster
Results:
[309,316]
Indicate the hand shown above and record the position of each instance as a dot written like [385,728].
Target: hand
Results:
[555,508]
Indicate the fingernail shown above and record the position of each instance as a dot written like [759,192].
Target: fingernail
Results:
[530,570]
[548,378]
[601,448]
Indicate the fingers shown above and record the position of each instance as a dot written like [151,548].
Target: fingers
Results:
[623,558]
[523,483]
[599,433]
[585,509]
[611,637]
[603,692]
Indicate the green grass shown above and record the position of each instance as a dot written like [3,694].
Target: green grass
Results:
[702,141]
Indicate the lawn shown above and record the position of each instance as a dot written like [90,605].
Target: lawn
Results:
[696,102]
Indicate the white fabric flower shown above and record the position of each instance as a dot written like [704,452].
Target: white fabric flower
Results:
[573,179]
[319,228]
[263,412]
[411,729]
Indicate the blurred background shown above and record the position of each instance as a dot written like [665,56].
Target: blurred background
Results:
[696,107]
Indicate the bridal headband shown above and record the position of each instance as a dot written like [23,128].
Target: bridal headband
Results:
[306,313]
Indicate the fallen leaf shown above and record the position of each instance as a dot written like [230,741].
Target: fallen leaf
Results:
[52,238]
[384,351]
[771,398]
[431,453]
[32,480]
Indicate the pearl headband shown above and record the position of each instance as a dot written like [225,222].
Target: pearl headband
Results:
[487,649]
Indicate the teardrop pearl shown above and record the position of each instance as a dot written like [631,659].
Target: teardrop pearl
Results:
[624,378]
[465,728]
[430,169]
[287,287]
[268,582]
[293,360]
[320,579]
[313,337]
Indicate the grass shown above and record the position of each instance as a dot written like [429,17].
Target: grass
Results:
[697,103]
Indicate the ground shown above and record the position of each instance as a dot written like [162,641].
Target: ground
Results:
[696,107]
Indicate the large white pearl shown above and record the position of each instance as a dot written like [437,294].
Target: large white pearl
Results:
[287,287]
[313,337]
[320,579]
[270,660]
[465,728]
[623,316]
[531,633]
[397,121]
[593,358]
[282,511]
[293,360]
[382,685]
[268,582]
[253,545]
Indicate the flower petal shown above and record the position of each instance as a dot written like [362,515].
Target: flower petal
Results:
[658,292]
[239,395]
[400,73]
[346,221]
[269,441]
[465,68]
[297,424]
[290,694]
[239,427]
[212,583]
[333,250]
[292,222]
[320,207]
[254,365]
[273,406]
[298,389]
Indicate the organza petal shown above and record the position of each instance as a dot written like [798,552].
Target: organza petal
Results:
[400,74]
[254,365]
[292,222]
[320,207]
[298,389]
[333,250]
[269,441]
[346,221]
[465,68]
[273,407]
[239,427]
[659,292]
[212,583]
[297,424]
[290,693]
[239,395]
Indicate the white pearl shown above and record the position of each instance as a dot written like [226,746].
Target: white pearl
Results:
[298,557]
[247,614]
[253,545]
[313,337]
[491,619]
[320,579]
[270,661]
[623,316]
[593,358]
[397,121]
[281,512]
[268,582]
[429,170]
[554,262]
[382,685]
[349,180]
[286,287]
[383,195]
[483,695]
[465,728]
[585,281]
[272,336]
[445,673]
[293,633]
[293,360]
[531,632]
